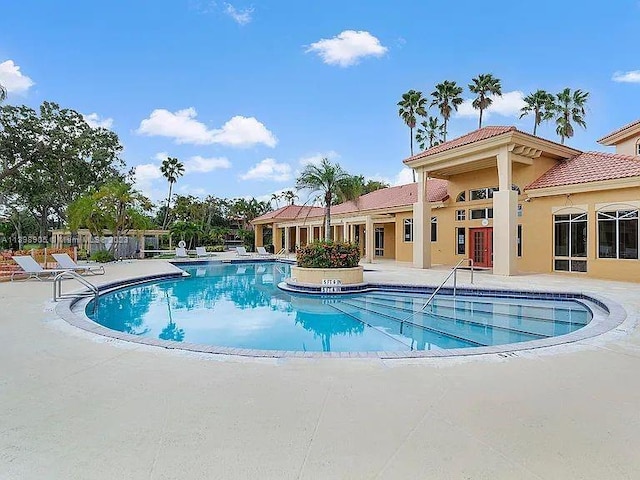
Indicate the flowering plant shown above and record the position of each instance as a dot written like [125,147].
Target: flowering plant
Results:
[326,254]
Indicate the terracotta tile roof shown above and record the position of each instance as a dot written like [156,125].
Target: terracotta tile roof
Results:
[620,130]
[399,196]
[588,167]
[471,137]
[391,197]
[291,212]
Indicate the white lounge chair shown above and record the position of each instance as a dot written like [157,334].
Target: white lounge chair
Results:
[33,268]
[66,262]
[262,252]
[242,252]
[181,252]
[202,252]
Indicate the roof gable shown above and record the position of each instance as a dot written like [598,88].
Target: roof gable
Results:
[622,133]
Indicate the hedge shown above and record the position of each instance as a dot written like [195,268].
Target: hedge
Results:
[328,255]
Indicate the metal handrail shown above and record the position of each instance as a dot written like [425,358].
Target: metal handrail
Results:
[57,286]
[454,272]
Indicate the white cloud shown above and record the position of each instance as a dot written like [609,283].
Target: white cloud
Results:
[183,127]
[94,121]
[13,79]
[403,177]
[241,17]
[200,164]
[508,105]
[347,48]
[632,76]
[186,189]
[268,169]
[145,180]
[316,158]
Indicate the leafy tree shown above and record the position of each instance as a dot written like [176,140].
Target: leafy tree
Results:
[116,207]
[360,186]
[484,86]
[430,133]
[412,104]
[186,231]
[541,104]
[447,97]
[51,157]
[331,181]
[570,107]
[172,169]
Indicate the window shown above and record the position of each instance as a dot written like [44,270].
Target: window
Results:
[515,188]
[379,242]
[408,229]
[461,242]
[462,196]
[461,215]
[618,234]
[434,229]
[482,193]
[519,240]
[638,148]
[480,213]
[570,242]
[519,212]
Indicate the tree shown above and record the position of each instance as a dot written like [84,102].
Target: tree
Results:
[359,186]
[275,198]
[51,157]
[331,181]
[412,104]
[3,93]
[570,107]
[430,133]
[289,196]
[116,207]
[541,104]
[172,169]
[447,98]
[484,86]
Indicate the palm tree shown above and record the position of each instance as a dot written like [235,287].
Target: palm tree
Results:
[430,133]
[484,86]
[541,104]
[447,98]
[570,107]
[172,169]
[3,93]
[289,196]
[275,198]
[412,104]
[331,181]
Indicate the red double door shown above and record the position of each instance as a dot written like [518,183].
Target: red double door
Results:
[481,246]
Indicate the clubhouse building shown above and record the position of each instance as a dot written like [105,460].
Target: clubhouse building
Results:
[510,201]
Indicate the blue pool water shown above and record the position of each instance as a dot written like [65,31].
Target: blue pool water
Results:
[240,305]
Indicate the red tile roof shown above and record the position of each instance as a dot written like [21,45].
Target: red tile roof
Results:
[400,196]
[588,167]
[620,130]
[471,137]
[291,212]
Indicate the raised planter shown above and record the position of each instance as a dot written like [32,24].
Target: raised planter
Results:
[315,276]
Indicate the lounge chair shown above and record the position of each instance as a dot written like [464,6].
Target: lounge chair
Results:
[181,252]
[66,262]
[202,252]
[262,252]
[33,268]
[242,252]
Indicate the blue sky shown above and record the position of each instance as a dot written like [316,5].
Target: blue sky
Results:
[246,93]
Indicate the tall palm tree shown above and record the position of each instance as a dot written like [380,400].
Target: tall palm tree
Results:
[541,104]
[289,196]
[412,104]
[430,133]
[172,169]
[447,98]
[570,107]
[484,86]
[275,198]
[331,181]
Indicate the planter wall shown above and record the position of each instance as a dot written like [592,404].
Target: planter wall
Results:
[314,276]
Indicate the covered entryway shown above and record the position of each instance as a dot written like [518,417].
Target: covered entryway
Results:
[481,246]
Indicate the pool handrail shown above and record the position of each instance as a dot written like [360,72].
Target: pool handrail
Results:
[454,272]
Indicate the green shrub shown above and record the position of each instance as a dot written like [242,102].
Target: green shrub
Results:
[82,254]
[329,255]
[102,256]
[214,248]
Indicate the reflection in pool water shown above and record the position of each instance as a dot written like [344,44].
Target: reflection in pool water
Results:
[239,305]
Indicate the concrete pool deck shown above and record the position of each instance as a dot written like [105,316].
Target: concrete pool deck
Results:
[74,405]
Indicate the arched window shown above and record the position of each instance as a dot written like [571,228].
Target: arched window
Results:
[638,147]
[515,188]
[462,196]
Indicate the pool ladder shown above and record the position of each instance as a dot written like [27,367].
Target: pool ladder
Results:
[454,272]
[57,287]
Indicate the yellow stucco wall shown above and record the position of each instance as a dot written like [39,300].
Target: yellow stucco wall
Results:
[628,146]
[404,250]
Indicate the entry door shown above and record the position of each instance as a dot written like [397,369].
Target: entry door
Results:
[379,242]
[481,246]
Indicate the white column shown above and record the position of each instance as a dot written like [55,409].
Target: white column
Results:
[286,239]
[297,236]
[505,205]
[369,237]
[422,224]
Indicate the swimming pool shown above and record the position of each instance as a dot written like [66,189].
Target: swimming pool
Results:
[239,305]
